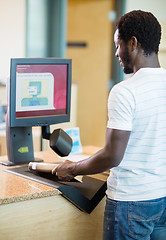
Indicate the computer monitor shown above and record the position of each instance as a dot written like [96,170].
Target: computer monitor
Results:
[39,94]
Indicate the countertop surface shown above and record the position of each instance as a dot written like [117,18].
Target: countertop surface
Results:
[15,188]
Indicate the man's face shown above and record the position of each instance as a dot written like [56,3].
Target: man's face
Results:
[122,52]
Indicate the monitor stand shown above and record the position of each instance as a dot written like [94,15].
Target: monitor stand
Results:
[19,146]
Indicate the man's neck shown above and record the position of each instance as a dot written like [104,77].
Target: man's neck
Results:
[151,61]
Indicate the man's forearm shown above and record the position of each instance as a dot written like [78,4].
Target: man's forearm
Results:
[97,163]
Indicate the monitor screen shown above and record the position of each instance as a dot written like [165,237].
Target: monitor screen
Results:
[40,91]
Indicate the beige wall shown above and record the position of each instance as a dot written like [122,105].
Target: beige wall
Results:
[88,22]
[12,28]
[12,40]
[156,7]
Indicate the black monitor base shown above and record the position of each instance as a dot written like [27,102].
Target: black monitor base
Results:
[10,163]
[19,145]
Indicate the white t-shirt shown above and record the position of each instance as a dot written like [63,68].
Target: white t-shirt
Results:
[139,105]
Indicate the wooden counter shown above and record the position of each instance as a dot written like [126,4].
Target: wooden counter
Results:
[15,188]
[30,210]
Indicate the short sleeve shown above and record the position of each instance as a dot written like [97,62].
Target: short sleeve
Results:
[121,108]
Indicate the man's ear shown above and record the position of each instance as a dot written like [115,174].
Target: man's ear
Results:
[133,43]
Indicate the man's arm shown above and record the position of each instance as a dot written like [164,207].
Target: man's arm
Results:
[108,157]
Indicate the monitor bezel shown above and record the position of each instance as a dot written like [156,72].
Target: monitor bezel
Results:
[36,121]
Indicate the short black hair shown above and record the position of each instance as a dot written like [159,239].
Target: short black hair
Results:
[144,26]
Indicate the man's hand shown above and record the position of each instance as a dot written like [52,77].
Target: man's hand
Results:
[65,171]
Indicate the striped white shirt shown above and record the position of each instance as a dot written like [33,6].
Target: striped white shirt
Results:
[138,105]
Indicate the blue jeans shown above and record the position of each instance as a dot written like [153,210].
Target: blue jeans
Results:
[141,220]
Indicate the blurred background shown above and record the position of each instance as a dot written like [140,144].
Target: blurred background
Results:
[78,29]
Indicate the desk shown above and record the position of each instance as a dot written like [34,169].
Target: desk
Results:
[33,211]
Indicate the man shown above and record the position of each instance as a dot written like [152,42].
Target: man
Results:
[135,148]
